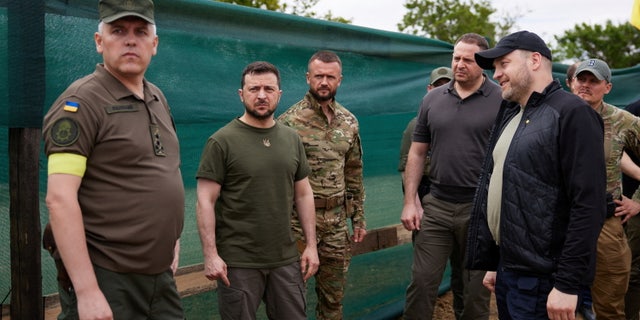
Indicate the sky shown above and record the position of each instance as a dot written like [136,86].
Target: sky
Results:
[543,17]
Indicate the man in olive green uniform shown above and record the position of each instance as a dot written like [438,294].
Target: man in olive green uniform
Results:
[114,188]
[622,132]
[331,138]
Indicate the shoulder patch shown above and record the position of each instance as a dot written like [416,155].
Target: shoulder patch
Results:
[71,106]
[64,132]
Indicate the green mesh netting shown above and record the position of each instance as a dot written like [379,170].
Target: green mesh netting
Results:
[204,46]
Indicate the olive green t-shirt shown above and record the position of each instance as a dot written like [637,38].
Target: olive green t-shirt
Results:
[257,169]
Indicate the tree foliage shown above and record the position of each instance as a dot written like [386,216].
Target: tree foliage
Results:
[302,8]
[618,45]
[447,20]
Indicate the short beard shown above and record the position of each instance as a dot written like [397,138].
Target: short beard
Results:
[519,89]
[319,98]
[259,116]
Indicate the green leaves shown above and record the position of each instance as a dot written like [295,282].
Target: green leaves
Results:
[447,20]
[618,45]
[303,8]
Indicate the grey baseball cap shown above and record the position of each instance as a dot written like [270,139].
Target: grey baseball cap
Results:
[599,68]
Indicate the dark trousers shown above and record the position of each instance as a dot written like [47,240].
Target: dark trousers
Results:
[521,297]
[131,296]
[281,288]
[443,230]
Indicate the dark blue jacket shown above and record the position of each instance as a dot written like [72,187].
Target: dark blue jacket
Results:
[553,192]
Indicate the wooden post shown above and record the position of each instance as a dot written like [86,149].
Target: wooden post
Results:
[27,89]
[26,275]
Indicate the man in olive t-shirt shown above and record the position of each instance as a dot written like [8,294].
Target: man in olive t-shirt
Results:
[252,173]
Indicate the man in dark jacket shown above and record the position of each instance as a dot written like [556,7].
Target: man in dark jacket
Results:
[541,199]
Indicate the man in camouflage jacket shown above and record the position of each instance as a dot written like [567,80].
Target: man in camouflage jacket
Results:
[621,133]
[331,138]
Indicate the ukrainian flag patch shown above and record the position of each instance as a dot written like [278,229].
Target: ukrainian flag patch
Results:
[71,106]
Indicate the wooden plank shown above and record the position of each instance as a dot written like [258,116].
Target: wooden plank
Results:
[376,239]
[382,238]
[190,281]
[404,235]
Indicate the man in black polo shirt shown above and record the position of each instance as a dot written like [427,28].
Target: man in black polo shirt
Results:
[453,124]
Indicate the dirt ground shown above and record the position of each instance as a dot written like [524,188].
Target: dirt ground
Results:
[444,308]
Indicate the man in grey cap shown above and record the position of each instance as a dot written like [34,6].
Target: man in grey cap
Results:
[540,201]
[622,133]
[115,194]
[439,76]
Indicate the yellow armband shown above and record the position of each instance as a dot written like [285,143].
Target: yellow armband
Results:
[69,163]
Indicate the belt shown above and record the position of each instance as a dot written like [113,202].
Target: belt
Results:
[328,203]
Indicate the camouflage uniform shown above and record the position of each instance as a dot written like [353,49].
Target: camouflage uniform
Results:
[334,153]
[613,262]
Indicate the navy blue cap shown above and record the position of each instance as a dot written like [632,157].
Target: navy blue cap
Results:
[523,40]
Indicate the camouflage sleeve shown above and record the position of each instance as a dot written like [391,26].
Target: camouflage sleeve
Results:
[632,136]
[354,183]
